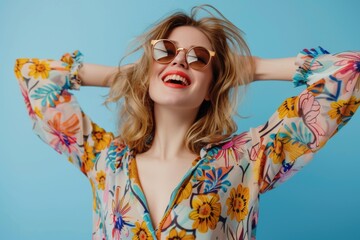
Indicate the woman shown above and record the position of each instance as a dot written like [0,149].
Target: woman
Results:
[177,171]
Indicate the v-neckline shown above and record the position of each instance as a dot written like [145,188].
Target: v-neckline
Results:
[135,181]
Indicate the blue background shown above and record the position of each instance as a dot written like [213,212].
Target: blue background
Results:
[42,196]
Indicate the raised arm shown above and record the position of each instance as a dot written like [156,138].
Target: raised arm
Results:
[274,69]
[99,75]
[56,115]
[304,123]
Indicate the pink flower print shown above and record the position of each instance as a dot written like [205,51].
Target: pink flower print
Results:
[351,72]
[64,133]
[120,220]
[309,109]
[233,148]
[256,152]
[27,102]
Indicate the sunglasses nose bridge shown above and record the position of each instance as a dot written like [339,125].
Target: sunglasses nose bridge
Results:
[181,59]
[178,50]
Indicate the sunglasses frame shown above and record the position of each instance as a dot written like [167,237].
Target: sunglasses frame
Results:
[153,42]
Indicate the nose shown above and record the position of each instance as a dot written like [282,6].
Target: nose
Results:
[180,59]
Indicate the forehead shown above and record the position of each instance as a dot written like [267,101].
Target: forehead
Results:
[187,36]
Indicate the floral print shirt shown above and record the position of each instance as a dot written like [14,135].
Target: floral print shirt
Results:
[218,198]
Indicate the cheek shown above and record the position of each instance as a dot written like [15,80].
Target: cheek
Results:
[152,88]
[154,74]
[156,68]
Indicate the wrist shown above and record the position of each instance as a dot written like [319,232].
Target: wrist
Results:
[274,69]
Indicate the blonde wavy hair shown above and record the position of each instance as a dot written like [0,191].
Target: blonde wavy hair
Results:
[232,66]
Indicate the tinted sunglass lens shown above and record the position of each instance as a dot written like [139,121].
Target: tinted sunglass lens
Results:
[164,51]
[198,57]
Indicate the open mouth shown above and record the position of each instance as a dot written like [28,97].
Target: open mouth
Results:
[176,79]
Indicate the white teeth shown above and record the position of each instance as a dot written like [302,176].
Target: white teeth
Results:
[177,78]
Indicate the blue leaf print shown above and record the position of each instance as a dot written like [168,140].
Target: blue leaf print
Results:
[216,180]
[298,133]
[114,155]
[48,94]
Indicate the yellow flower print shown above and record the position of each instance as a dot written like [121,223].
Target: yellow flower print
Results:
[238,203]
[277,152]
[87,158]
[100,137]
[342,109]
[18,66]
[141,232]
[95,205]
[185,193]
[289,108]
[295,149]
[286,145]
[66,58]
[39,68]
[259,164]
[100,178]
[175,235]
[206,212]
[133,172]
[38,112]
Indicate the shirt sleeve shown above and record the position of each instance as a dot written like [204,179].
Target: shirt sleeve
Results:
[304,123]
[56,115]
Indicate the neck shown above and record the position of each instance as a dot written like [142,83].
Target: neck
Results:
[171,126]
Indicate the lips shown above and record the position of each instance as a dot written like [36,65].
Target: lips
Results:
[177,79]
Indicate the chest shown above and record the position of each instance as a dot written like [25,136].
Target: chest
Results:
[209,196]
[159,183]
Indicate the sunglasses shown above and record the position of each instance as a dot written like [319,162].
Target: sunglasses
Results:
[164,51]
